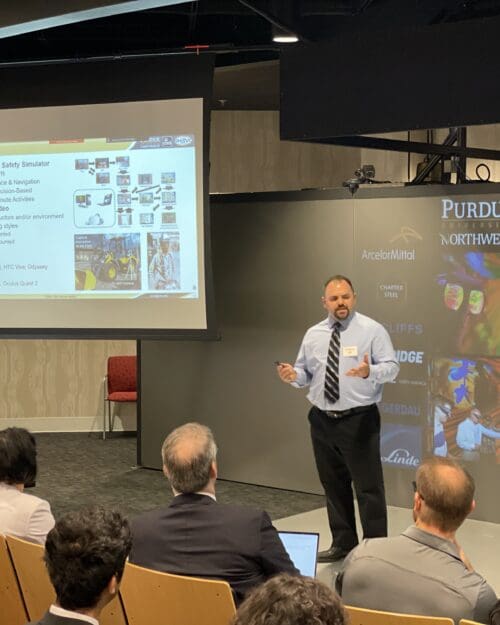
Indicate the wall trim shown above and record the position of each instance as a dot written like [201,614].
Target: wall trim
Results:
[69,424]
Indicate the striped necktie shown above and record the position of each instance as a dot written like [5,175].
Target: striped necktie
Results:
[332,366]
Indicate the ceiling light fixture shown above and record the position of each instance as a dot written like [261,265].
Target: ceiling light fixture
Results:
[283,36]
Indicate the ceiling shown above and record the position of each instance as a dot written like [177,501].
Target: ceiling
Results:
[238,31]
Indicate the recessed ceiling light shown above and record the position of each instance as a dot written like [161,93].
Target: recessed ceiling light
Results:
[285,38]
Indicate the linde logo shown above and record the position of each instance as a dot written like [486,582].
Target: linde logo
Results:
[411,357]
[470,209]
[401,444]
[401,457]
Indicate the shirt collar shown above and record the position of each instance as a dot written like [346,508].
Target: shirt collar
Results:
[432,540]
[58,611]
[343,322]
[6,486]
[199,492]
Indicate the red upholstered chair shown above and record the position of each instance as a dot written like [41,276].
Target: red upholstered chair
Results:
[120,385]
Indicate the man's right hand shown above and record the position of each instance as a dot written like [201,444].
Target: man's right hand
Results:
[286,372]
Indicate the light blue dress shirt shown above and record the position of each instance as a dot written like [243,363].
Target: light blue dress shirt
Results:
[359,335]
[470,434]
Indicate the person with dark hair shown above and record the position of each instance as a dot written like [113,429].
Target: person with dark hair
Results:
[345,361]
[291,600]
[424,570]
[85,555]
[21,514]
[198,536]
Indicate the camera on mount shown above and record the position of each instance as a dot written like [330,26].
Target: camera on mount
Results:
[352,184]
[364,174]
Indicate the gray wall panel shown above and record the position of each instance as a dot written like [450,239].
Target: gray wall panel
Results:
[270,261]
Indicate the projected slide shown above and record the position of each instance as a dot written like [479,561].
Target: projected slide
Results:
[99,217]
[465,412]
[469,302]
[102,221]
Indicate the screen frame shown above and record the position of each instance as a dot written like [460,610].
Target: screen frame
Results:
[107,81]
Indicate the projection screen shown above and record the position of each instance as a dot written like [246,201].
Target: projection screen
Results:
[103,230]
[99,205]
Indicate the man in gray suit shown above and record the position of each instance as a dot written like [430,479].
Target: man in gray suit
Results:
[85,554]
[198,536]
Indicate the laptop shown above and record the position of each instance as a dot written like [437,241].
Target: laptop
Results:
[302,547]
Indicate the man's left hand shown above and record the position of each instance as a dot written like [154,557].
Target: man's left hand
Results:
[363,371]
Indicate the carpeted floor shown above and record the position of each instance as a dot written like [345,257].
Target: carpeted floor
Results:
[75,470]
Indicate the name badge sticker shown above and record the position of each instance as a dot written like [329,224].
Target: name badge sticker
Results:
[350,351]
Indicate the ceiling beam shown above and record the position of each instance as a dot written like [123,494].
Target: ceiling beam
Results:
[418,147]
[19,18]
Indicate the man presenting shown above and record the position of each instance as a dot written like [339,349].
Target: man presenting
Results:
[345,360]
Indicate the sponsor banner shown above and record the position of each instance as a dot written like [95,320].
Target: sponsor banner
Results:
[404,328]
[401,445]
[400,409]
[470,223]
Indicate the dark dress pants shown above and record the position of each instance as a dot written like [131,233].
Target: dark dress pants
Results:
[347,451]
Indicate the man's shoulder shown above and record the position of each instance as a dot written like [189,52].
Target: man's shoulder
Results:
[377,547]
[239,511]
[318,327]
[29,503]
[149,517]
[365,321]
[209,508]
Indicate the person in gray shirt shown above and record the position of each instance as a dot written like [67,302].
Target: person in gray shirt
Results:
[424,570]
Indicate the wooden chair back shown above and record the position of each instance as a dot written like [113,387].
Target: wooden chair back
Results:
[11,599]
[33,579]
[150,597]
[36,588]
[363,616]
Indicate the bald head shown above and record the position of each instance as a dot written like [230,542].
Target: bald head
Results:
[447,492]
[188,454]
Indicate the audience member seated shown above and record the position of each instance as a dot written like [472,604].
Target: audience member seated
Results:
[291,600]
[424,570]
[195,535]
[21,514]
[85,556]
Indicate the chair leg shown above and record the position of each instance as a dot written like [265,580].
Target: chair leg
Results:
[107,418]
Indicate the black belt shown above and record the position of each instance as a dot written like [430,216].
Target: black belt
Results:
[350,412]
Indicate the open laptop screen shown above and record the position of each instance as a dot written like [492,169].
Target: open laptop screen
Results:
[302,547]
